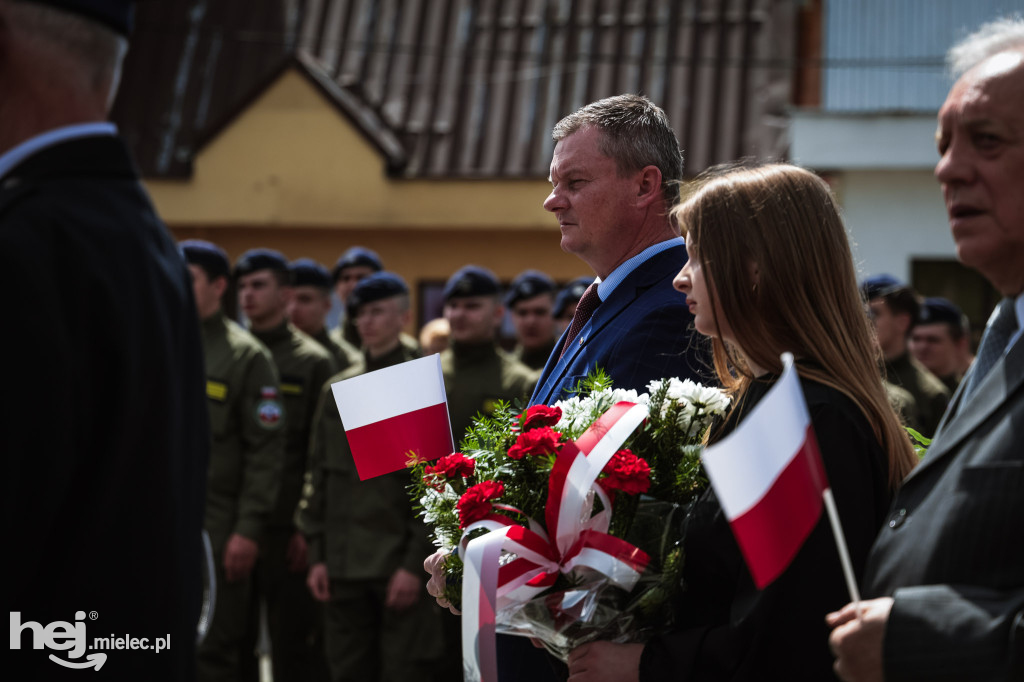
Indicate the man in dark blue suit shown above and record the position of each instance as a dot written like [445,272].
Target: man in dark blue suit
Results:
[947,571]
[614,179]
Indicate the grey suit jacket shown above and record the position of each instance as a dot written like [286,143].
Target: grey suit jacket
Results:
[952,551]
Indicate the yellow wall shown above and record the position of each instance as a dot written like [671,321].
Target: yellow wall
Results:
[292,174]
[293,159]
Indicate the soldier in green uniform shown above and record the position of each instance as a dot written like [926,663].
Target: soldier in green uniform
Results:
[566,301]
[355,264]
[247,424]
[308,307]
[477,374]
[303,366]
[893,308]
[530,299]
[941,341]
[366,544]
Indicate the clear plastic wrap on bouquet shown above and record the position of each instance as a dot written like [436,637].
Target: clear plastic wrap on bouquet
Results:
[586,606]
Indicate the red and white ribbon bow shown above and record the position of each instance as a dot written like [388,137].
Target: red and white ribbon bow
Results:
[580,540]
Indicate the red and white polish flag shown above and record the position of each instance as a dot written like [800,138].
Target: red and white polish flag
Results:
[395,411]
[769,478]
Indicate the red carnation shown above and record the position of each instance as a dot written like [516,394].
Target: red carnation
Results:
[452,466]
[542,441]
[541,415]
[475,503]
[626,472]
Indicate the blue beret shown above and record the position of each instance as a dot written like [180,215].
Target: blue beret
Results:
[571,293]
[117,15]
[261,259]
[376,287]
[306,272]
[207,255]
[527,285]
[357,255]
[877,286]
[935,310]
[472,280]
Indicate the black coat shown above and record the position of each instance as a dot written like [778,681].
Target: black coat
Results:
[729,630]
[105,427]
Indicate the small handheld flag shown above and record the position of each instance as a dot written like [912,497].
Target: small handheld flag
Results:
[395,411]
[770,481]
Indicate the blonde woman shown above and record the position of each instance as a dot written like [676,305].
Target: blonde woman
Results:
[770,271]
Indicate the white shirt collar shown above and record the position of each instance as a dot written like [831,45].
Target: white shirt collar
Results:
[607,286]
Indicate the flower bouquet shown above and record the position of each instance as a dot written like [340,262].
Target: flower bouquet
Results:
[564,522]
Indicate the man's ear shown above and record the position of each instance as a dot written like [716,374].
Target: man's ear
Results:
[499,315]
[220,285]
[648,185]
[904,321]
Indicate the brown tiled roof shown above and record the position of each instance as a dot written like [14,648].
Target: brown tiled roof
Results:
[463,88]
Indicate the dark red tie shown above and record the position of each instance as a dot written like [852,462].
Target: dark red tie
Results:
[584,309]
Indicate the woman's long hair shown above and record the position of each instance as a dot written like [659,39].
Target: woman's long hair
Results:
[777,260]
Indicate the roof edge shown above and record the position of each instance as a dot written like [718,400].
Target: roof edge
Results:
[365,119]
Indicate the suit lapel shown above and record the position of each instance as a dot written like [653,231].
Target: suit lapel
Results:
[643,277]
[963,418]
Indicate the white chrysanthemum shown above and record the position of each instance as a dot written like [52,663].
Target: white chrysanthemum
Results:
[580,413]
[572,411]
[435,501]
[685,411]
[713,400]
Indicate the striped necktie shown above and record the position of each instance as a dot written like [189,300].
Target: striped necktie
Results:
[998,333]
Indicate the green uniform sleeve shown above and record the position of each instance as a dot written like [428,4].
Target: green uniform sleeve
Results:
[263,442]
[309,517]
[419,546]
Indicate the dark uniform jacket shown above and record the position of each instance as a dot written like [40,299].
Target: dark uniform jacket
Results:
[476,377]
[952,552]
[104,418]
[344,353]
[303,367]
[727,629]
[534,358]
[247,421]
[364,530]
[930,395]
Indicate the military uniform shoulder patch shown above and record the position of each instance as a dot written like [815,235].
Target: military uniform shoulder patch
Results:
[268,410]
[292,385]
[216,390]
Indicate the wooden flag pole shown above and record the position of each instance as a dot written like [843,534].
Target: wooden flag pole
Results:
[844,554]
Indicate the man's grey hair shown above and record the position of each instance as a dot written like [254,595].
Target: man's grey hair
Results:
[990,39]
[634,133]
[91,46]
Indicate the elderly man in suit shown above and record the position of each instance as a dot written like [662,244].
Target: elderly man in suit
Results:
[947,570]
[105,426]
